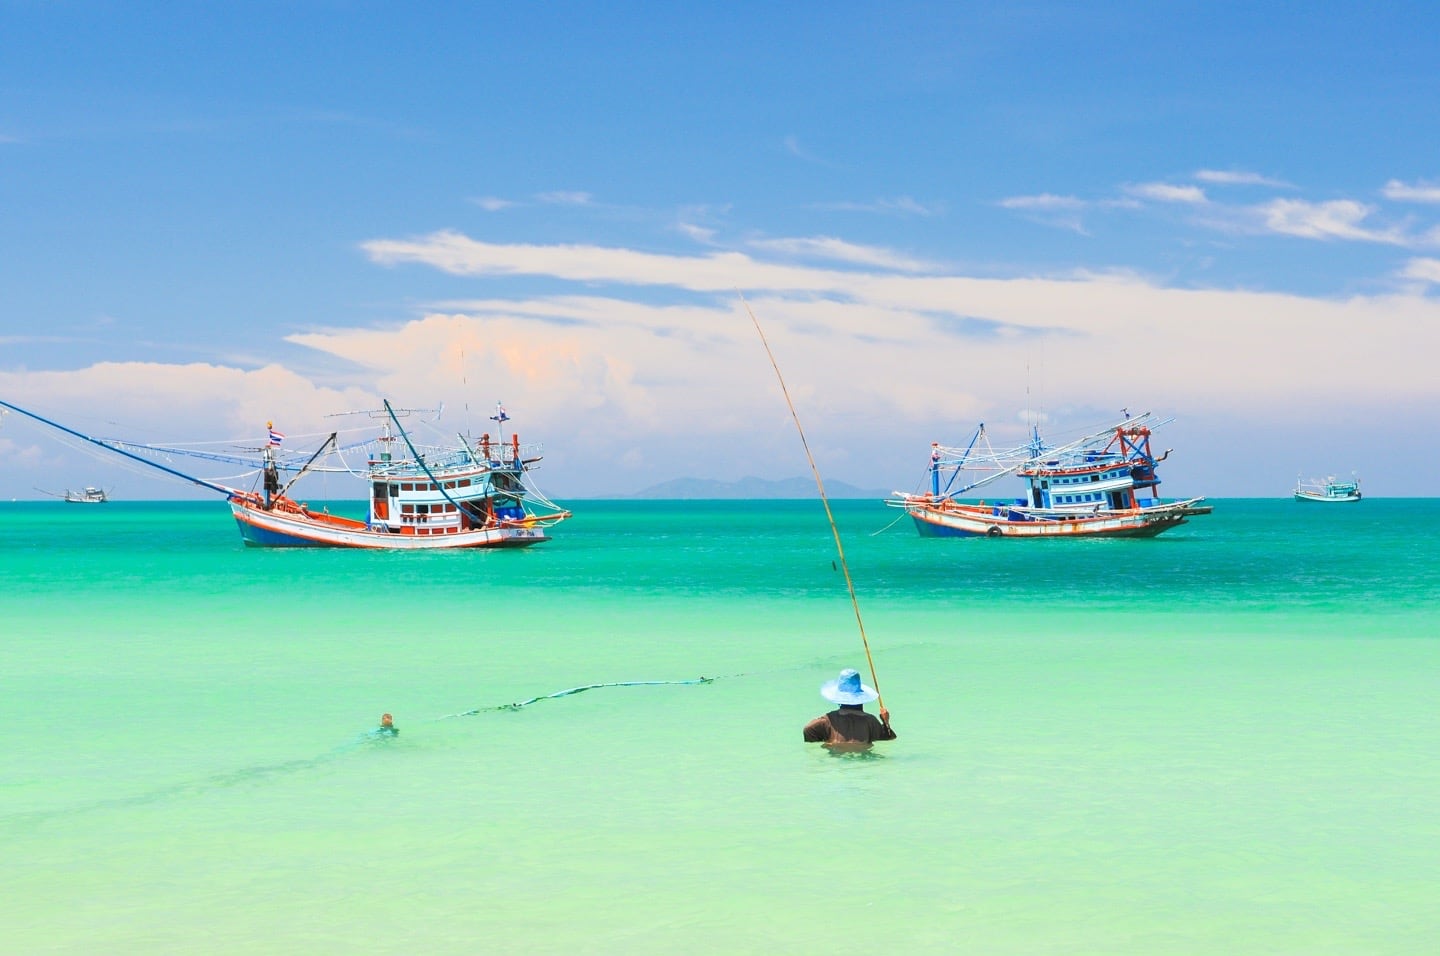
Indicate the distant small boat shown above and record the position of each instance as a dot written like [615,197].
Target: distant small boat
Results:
[1327,490]
[1101,485]
[85,496]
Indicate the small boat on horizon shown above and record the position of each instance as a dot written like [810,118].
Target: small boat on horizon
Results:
[1327,490]
[1101,485]
[85,496]
[467,494]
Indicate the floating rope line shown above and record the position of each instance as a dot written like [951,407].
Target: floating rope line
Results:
[578,690]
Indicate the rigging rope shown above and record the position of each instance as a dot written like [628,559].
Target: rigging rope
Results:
[901,517]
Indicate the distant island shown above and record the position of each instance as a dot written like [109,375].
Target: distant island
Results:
[753,488]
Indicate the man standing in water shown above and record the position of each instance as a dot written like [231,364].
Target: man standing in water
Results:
[849,726]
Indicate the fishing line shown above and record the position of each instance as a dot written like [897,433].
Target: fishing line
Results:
[829,516]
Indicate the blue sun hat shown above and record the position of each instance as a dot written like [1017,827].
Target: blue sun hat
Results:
[847,689]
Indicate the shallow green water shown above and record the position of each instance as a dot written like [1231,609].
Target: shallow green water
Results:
[1222,739]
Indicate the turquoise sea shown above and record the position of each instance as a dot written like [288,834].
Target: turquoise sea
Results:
[1224,739]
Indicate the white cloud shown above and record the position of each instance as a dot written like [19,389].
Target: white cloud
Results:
[564,198]
[900,205]
[1426,270]
[825,247]
[700,234]
[1043,202]
[714,272]
[1061,212]
[1167,192]
[793,147]
[1416,192]
[1235,177]
[1336,219]
[886,345]
[626,391]
[492,203]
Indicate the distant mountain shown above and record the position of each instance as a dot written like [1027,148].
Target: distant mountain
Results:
[753,488]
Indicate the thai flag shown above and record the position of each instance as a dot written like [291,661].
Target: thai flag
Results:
[275,437]
[499,415]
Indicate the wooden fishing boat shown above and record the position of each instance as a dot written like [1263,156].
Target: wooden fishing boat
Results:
[1328,490]
[1101,485]
[468,494]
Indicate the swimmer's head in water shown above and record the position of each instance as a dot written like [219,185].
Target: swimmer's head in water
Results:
[386,720]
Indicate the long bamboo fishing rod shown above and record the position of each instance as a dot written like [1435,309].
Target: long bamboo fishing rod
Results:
[824,500]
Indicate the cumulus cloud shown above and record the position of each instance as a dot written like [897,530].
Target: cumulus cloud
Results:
[867,341]
[648,368]
[1422,192]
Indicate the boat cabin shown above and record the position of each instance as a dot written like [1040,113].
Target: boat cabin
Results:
[464,491]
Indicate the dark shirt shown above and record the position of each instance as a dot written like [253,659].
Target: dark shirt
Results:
[848,725]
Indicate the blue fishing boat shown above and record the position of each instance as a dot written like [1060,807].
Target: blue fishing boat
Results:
[467,494]
[1100,485]
[1328,490]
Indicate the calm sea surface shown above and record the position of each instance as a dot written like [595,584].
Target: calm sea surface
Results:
[1225,739]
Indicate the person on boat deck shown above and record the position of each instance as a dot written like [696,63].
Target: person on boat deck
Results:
[850,724]
[387,727]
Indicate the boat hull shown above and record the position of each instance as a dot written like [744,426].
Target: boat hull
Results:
[948,519]
[302,528]
[1325,499]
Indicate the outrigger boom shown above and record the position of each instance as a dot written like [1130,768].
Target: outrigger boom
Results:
[120,451]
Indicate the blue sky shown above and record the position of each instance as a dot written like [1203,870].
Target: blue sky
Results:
[212,215]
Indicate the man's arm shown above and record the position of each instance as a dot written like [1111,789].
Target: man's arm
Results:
[817,731]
